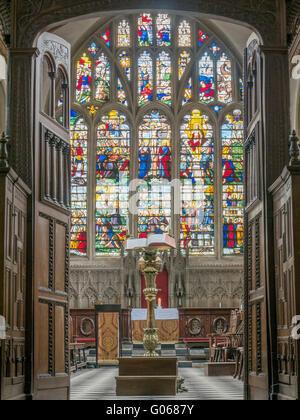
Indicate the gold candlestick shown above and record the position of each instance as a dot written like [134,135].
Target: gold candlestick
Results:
[150,265]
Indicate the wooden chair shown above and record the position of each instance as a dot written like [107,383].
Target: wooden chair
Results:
[223,347]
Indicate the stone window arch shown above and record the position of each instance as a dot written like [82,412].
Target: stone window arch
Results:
[135,66]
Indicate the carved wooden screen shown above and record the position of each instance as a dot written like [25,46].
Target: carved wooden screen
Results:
[52,214]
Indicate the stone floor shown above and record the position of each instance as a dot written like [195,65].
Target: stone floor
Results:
[99,384]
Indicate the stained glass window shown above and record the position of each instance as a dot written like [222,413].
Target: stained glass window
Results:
[197,178]
[125,62]
[183,61]
[154,174]
[121,94]
[215,49]
[123,34]
[145,82]
[106,37]
[84,78]
[102,79]
[224,79]
[241,89]
[163,26]
[184,34]
[188,93]
[138,74]
[202,37]
[233,190]
[164,83]
[112,183]
[145,30]
[93,49]
[206,79]
[79,184]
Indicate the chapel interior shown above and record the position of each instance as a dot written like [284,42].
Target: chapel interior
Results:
[125,123]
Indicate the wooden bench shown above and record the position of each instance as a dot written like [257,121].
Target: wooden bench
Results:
[78,359]
[190,343]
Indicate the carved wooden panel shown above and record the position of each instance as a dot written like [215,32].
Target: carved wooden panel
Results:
[51,239]
[199,322]
[13,211]
[83,326]
[286,245]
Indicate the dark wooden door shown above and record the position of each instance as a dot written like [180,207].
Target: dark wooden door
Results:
[13,210]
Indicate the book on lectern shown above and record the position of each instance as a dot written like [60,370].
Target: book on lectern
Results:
[163,241]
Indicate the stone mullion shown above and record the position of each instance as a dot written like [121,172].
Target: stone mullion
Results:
[218,192]
[91,193]
[21,112]
[134,148]
[135,51]
[176,176]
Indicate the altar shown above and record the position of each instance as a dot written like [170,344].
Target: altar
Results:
[167,322]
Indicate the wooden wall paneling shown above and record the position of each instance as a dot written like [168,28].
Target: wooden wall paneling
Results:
[286,192]
[13,210]
[199,322]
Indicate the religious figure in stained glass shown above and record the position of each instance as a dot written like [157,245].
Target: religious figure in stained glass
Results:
[79,135]
[145,30]
[155,174]
[164,86]
[184,34]
[206,79]
[121,94]
[145,70]
[188,93]
[163,25]
[112,185]
[183,62]
[102,79]
[233,190]
[83,86]
[197,178]
[224,79]
[125,62]
[123,34]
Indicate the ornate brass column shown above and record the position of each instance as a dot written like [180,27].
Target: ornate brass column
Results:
[150,264]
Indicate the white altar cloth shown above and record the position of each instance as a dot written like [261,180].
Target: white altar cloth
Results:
[160,314]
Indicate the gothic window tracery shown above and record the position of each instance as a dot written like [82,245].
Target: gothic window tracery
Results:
[156,98]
